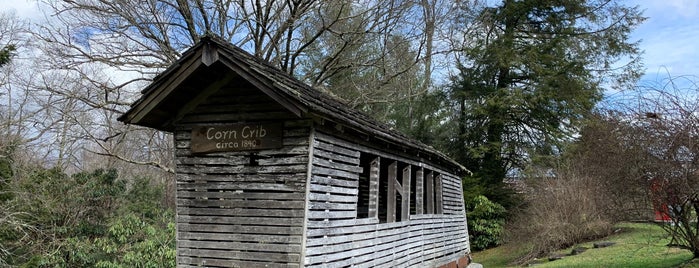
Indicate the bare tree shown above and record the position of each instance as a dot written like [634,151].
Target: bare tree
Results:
[375,48]
[670,124]
[646,156]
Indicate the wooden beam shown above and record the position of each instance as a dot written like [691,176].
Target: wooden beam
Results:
[202,96]
[270,88]
[156,95]
[439,204]
[429,193]
[391,199]
[405,213]
[419,191]
[374,188]
[209,54]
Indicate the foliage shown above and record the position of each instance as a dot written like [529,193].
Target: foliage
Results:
[534,70]
[6,54]
[90,219]
[7,155]
[419,117]
[485,222]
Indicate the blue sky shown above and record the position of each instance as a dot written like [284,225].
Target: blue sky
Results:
[670,36]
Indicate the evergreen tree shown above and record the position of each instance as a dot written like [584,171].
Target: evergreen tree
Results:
[534,70]
[6,54]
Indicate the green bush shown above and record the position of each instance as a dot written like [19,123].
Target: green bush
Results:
[6,155]
[90,219]
[485,222]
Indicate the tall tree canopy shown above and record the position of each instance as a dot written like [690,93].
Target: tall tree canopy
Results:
[533,70]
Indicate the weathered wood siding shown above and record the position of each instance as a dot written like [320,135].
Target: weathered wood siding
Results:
[336,237]
[241,209]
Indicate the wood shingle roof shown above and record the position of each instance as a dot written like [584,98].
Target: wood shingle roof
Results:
[212,59]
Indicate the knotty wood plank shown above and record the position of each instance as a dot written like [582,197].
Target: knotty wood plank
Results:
[230,258]
[252,212]
[341,223]
[337,145]
[332,198]
[261,221]
[336,165]
[194,262]
[263,204]
[207,160]
[337,157]
[238,194]
[331,214]
[332,206]
[334,181]
[239,246]
[334,190]
[299,168]
[321,144]
[257,186]
[244,229]
[236,178]
[282,161]
[259,238]
[316,170]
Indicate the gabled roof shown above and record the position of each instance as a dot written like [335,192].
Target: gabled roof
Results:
[168,93]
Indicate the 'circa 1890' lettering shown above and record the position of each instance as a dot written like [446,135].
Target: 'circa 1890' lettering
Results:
[236,137]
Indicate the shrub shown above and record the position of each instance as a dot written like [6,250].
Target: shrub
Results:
[90,219]
[485,222]
[560,212]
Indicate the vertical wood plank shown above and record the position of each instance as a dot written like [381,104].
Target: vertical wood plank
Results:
[419,181]
[374,188]
[391,199]
[405,213]
[429,193]
[439,204]
[309,174]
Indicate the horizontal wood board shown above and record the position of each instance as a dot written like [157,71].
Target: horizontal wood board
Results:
[335,237]
[244,208]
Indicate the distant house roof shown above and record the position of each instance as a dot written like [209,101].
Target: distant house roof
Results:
[163,99]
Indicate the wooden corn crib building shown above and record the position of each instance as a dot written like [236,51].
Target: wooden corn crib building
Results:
[274,173]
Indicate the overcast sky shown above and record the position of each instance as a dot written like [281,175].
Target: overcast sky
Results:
[670,36]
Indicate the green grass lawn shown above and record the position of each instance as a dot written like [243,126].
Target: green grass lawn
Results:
[637,245]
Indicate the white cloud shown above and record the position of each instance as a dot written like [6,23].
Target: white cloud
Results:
[669,37]
[685,8]
[669,8]
[25,9]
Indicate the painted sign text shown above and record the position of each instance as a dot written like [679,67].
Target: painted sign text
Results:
[236,137]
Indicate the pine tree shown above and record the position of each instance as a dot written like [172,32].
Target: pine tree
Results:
[6,54]
[534,70]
